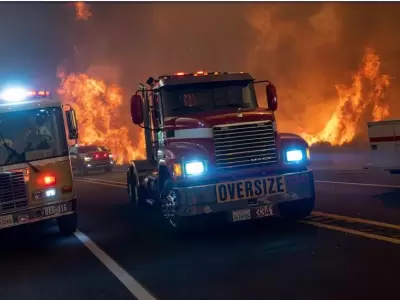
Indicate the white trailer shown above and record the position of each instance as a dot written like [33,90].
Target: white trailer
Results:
[384,139]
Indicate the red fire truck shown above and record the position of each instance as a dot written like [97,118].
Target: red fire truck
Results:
[212,151]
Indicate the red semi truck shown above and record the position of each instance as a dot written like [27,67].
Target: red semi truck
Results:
[212,151]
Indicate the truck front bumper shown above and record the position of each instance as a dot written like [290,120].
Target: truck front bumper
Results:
[37,213]
[201,200]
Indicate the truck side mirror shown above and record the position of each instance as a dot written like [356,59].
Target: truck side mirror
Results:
[72,124]
[272,97]
[136,109]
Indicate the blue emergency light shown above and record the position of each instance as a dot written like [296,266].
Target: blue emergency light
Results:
[20,94]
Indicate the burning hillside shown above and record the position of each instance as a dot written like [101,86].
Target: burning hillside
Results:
[367,89]
[97,105]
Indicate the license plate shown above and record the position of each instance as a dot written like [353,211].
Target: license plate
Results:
[241,215]
[252,188]
[55,209]
[264,211]
[6,221]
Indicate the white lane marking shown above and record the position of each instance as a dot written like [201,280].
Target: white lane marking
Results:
[359,183]
[120,170]
[355,220]
[352,231]
[127,280]
[101,183]
[102,180]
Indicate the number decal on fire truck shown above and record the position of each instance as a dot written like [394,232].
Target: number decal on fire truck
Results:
[252,188]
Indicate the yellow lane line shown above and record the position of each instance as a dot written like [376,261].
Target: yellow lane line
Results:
[359,183]
[101,183]
[354,232]
[355,220]
[101,180]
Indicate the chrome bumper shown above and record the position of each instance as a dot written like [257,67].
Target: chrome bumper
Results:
[199,200]
[36,214]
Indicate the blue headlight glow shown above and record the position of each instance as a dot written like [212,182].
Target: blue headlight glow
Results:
[14,95]
[194,168]
[294,155]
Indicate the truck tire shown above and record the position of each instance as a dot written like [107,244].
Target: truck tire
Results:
[137,195]
[178,224]
[67,224]
[298,209]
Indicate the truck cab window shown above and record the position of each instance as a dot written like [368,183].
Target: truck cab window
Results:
[182,100]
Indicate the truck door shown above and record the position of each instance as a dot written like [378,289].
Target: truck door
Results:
[157,122]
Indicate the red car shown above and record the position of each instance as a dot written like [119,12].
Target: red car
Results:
[90,158]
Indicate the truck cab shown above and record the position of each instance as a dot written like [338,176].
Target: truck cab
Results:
[211,150]
[36,181]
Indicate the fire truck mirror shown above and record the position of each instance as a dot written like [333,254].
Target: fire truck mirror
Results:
[136,109]
[272,97]
[72,124]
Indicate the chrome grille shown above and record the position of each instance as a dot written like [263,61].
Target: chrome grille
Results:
[12,191]
[246,144]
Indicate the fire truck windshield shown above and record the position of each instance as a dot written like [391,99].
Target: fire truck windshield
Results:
[33,134]
[185,99]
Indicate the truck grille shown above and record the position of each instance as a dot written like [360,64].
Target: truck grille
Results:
[12,191]
[243,145]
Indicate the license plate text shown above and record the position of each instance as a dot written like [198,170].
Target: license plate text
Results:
[241,215]
[6,221]
[55,209]
[252,188]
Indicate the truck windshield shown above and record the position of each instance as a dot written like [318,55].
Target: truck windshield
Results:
[183,99]
[33,134]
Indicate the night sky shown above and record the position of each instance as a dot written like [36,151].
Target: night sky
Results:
[34,38]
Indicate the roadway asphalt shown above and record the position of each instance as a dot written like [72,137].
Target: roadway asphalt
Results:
[115,256]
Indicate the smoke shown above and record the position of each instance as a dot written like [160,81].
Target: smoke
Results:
[306,49]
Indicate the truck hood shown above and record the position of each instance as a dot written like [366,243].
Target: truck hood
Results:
[218,117]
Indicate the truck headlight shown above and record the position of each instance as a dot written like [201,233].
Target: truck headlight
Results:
[294,155]
[87,158]
[194,167]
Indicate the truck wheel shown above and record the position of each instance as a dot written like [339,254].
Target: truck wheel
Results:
[298,209]
[137,195]
[67,224]
[108,169]
[169,204]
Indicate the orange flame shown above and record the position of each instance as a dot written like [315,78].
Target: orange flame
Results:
[97,107]
[353,100]
[82,10]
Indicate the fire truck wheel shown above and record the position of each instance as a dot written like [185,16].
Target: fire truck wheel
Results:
[298,209]
[67,224]
[180,225]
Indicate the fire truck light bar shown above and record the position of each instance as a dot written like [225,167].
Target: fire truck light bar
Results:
[20,94]
[195,74]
